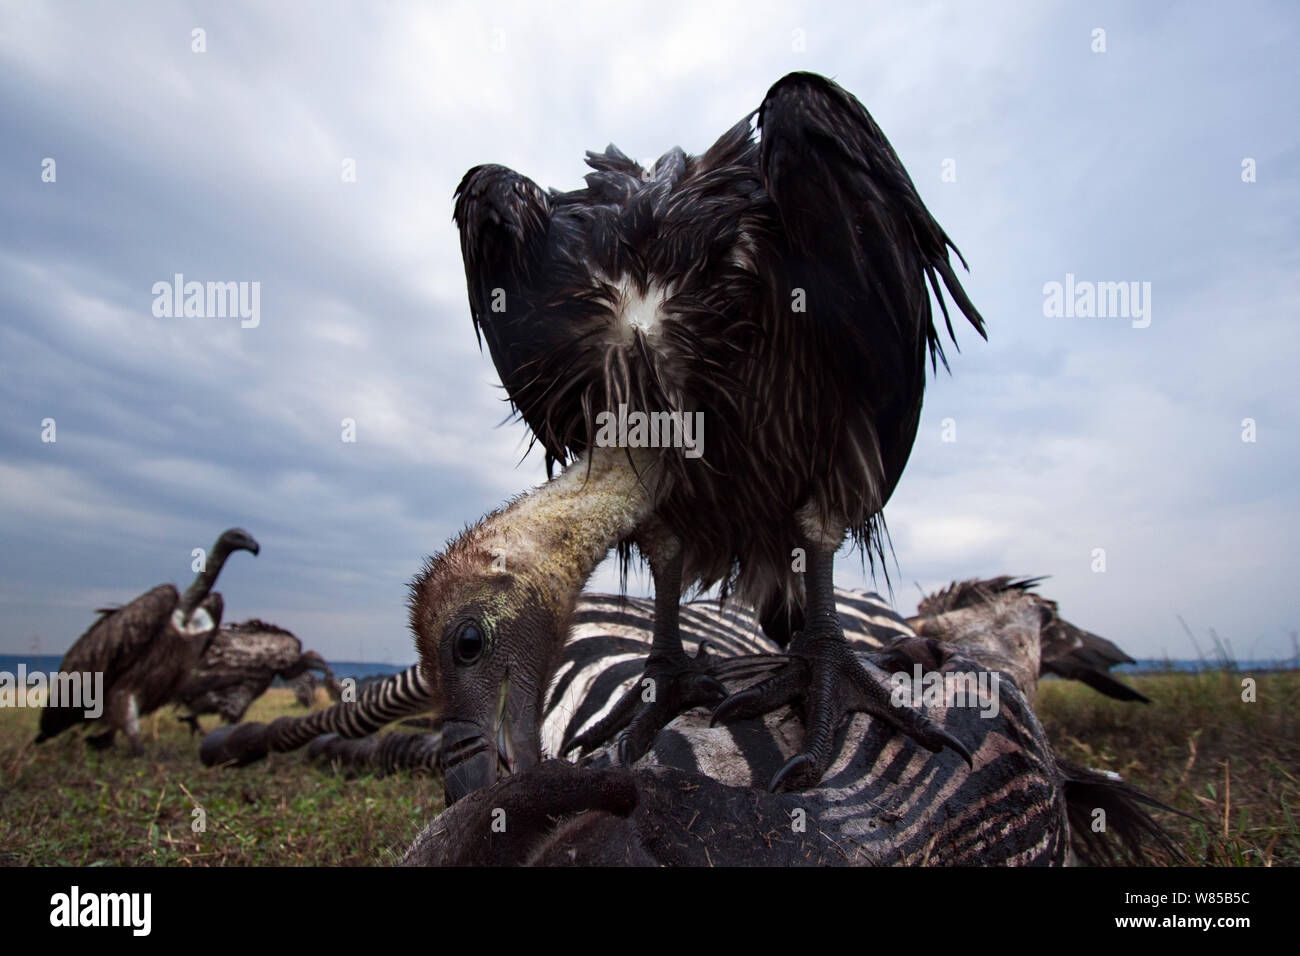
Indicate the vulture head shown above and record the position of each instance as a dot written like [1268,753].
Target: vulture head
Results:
[188,616]
[491,613]
[312,661]
[232,540]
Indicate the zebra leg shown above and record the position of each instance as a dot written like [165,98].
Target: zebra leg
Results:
[829,681]
[672,681]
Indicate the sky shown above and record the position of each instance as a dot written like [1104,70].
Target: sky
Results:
[1109,143]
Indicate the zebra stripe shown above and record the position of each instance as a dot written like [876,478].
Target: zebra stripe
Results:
[607,631]
[882,801]
[402,695]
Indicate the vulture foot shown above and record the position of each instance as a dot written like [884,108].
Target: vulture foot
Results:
[826,677]
[669,685]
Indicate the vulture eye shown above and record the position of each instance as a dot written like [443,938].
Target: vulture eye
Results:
[468,646]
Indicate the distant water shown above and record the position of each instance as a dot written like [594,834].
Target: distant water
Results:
[1154,666]
[362,669]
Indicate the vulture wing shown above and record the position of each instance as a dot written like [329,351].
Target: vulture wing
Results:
[1072,652]
[112,645]
[504,219]
[252,645]
[862,246]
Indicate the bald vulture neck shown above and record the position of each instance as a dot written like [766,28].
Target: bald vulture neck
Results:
[205,580]
[564,528]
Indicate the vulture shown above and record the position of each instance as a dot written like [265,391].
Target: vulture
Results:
[146,649]
[240,664]
[755,322]
[1064,649]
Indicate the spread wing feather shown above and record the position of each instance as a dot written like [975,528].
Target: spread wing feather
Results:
[112,645]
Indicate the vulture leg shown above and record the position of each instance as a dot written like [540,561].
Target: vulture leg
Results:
[193,721]
[102,741]
[131,724]
[672,682]
[122,713]
[829,680]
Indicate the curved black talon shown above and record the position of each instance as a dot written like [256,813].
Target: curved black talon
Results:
[733,703]
[828,682]
[797,762]
[949,741]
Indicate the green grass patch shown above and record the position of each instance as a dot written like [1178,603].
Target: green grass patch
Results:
[64,804]
[1198,747]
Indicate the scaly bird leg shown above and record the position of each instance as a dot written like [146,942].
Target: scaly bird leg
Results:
[672,681]
[830,681]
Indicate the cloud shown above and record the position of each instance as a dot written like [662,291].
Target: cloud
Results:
[225,165]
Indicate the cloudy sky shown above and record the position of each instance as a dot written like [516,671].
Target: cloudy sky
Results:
[1041,154]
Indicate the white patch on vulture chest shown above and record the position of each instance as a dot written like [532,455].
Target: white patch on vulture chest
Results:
[639,312]
[200,621]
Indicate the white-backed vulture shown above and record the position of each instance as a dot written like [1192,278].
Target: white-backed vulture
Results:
[239,665]
[767,304]
[145,650]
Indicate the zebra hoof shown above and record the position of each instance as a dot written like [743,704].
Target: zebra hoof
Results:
[235,746]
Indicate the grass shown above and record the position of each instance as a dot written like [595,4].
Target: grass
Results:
[1201,749]
[1197,747]
[63,804]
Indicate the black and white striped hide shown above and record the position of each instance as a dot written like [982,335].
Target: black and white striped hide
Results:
[699,797]
[606,648]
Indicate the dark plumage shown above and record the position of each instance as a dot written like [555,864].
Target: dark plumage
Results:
[1066,650]
[779,288]
[239,665]
[146,649]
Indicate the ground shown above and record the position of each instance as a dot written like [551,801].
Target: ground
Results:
[1235,765]
[1199,748]
[62,804]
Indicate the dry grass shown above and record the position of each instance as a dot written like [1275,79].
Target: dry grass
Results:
[1200,748]
[1197,747]
[61,803]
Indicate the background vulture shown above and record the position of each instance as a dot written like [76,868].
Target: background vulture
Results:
[1063,649]
[239,665]
[146,649]
[777,291]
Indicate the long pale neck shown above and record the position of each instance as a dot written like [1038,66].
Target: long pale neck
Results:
[205,579]
[559,532]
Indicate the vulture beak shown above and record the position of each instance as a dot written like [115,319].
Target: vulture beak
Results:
[478,752]
[237,539]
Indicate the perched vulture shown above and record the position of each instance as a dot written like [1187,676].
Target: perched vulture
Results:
[146,649]
[239,665]
[751,328]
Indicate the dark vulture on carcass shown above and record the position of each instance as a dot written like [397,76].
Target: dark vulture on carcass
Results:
[240,664]
[146,649]
[1064,649]
[766,307]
